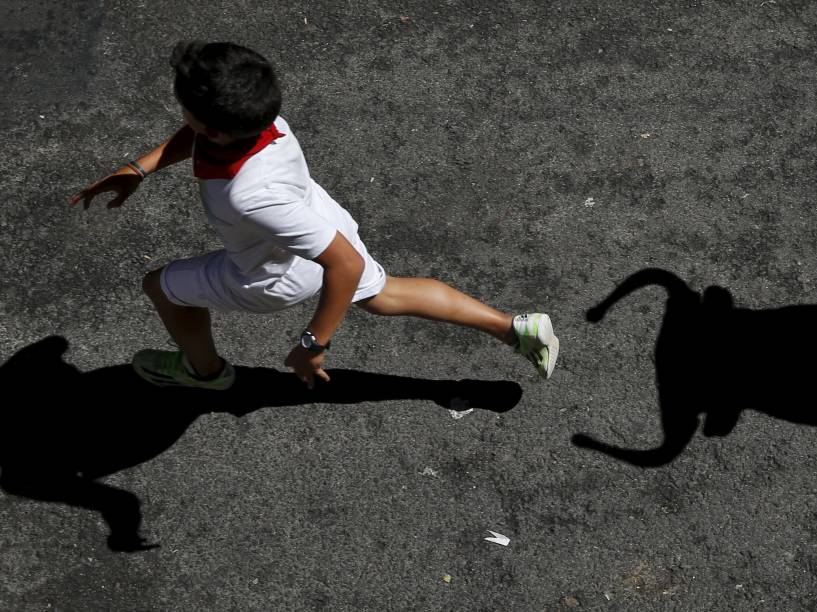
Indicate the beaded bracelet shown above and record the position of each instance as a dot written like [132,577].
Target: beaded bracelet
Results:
[134,165]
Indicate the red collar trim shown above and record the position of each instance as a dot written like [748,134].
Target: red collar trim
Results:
[212,161]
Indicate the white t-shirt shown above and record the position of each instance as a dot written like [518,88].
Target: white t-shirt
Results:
[272,212]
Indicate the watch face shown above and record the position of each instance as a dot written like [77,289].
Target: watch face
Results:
[310,343]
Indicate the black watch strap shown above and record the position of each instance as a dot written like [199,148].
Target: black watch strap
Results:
[310,343]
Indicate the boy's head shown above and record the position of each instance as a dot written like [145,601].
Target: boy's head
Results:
[226,88]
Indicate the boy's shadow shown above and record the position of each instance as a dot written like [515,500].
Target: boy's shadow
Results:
[61,429]
[715,360]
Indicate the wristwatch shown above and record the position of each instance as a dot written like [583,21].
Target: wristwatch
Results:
[310,343]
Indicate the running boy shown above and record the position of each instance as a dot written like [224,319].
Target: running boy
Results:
[285,239]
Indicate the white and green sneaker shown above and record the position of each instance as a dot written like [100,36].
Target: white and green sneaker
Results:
[172,369]
[536,341]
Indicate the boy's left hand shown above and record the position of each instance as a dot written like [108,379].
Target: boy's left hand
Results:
[307,365]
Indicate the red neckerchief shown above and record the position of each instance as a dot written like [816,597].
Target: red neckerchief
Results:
[212,161]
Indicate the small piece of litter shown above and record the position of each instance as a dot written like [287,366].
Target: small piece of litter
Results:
[447,579]
[255,581]
[589,202]
[371,180]
[647,135]
[498,538]
[146,257]
[607,596]
[405,18]
[669,29]
[429,472]
[42,116]
[458,414]
[571,602]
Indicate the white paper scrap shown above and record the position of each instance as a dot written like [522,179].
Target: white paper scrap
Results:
[498,538]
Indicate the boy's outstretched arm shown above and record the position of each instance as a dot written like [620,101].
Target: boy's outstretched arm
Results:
[342,269]
[125,180]
[175,149]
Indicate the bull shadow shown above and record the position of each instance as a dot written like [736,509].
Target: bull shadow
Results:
[713,361]
[61,430]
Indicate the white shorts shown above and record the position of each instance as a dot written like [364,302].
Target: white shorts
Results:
[209,281]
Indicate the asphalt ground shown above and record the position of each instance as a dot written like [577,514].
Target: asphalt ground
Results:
[532,154]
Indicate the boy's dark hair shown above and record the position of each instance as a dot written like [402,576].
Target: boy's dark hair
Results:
[226,87]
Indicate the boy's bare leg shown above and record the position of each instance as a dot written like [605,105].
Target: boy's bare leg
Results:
[432,299]
[188,326]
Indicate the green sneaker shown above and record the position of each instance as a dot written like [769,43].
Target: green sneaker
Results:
[172,369]
[536,341]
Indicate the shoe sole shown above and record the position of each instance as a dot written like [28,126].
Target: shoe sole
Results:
[552,344]
[553,355]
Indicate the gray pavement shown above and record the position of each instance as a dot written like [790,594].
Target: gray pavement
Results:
[533,154]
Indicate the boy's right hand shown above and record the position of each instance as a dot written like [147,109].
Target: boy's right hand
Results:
[124,182]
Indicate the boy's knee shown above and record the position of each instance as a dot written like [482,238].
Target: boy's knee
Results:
[369,305]
[380,304]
